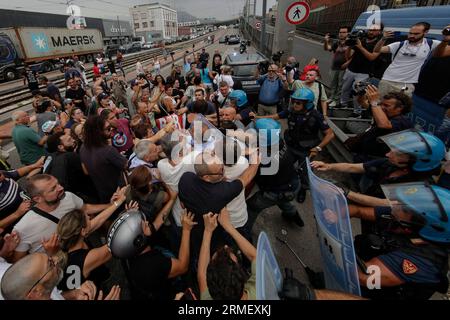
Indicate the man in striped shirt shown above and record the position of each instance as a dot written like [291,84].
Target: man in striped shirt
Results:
[12,205]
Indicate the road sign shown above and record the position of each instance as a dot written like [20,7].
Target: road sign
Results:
[258,25]
[298,12]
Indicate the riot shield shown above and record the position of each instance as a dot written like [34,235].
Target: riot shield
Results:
[335,235]
[269,280]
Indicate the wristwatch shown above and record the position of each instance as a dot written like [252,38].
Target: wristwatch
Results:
[319,149]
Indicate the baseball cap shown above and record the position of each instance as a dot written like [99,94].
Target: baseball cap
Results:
[48,126]
[67,101]
[103,95]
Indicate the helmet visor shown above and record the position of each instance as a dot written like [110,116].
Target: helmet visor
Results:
[416,204]
[407,141]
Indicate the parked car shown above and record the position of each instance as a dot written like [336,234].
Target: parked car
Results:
[245,67]
[133,47]
[233,39]
[148,45]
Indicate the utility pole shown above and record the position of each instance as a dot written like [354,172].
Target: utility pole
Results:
[263,27]
[120,31]
[284,31]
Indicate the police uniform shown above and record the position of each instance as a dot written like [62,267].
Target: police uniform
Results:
[303,131]
[421,265]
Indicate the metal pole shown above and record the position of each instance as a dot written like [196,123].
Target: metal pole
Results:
[284,31]
[263,27]
[120,31]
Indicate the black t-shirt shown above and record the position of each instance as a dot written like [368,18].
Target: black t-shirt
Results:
[77,94]
[284,174]
[339,55]
[149,274]
[360,64]
[66,167]
[105,166]
[111,66]
[77,258]
[54,92]
[369,142]
[201,197]
[31,77]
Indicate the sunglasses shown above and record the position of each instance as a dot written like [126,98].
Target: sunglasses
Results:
[52,265]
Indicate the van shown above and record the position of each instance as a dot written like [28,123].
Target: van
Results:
[401,20]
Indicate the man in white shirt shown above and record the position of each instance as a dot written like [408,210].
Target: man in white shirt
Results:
[173,167]
[51,203]
[408,57]
[234,166]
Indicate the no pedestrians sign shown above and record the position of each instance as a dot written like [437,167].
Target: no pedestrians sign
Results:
[298,12]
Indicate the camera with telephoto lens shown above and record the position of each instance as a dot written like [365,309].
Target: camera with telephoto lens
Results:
[360,87]
[276,57]
[446,31]
[353,37]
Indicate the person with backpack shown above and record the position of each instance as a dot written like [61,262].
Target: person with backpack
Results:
[408,59]
[311,83]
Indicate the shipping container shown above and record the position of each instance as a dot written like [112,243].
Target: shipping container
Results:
[43,47]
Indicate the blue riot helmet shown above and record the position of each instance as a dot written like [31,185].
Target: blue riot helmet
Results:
[306,95]
[126,238]
[427,150]
[269,131]
[422,206]
[240,97]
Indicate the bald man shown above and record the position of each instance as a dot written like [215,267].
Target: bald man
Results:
[32,278]
[29,144]
[229,114]
[35,277]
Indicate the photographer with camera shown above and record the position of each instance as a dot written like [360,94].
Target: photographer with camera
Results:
[408,58]
[339,63]
[361,56]
[389,116]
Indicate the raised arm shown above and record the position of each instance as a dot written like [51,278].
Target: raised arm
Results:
[244,245]
[210,221]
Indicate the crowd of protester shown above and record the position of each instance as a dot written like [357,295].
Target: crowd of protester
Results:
[112,146]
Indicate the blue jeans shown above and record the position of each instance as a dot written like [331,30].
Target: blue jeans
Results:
[266,199]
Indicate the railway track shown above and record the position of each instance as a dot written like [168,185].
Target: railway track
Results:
[13,97]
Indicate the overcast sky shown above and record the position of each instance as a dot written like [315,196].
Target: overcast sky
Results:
[220,9]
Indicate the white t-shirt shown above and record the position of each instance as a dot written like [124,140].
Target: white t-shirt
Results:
[237,207]
[224,77]
[171,176]
[406,66]
[32,228]
[55,295]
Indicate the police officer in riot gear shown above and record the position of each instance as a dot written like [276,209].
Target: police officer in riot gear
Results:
[277,179]
[302,135]
[409,250]
[239,101]
[148,270]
